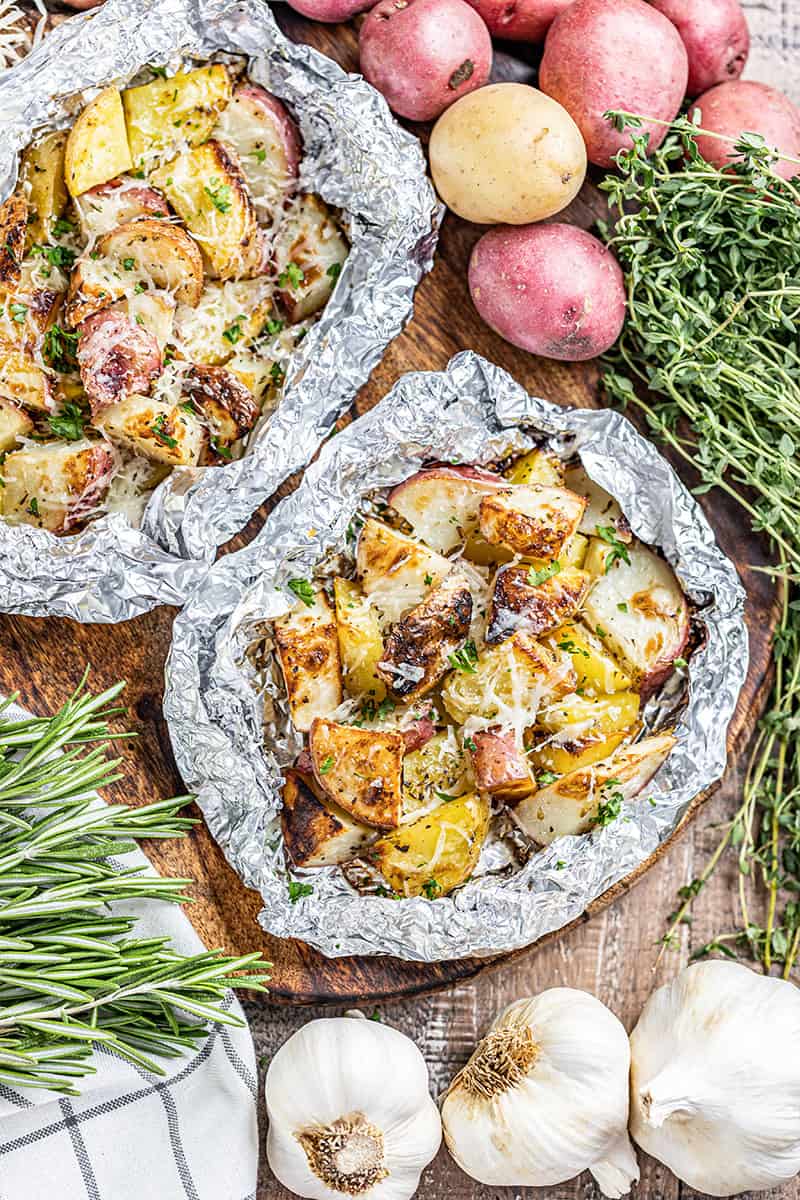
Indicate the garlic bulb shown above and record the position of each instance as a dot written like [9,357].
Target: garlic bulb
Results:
[544,1096]
[715,1078]
[349,1112]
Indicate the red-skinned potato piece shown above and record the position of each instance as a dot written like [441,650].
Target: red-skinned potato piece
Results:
[263,135]
[418,733]
[553,290]
[330,11]
[626,55]
[422,55]
[501,768]
[441,503]
[740,107]
[519,20]
[108,205]
[116,358]
[716,38]
[67,480]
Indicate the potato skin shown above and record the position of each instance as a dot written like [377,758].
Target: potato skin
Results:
[553,290]
[744,106]
[520,20]
[330,10]
[625,55]
[716,38]
[507,153]
[422,55]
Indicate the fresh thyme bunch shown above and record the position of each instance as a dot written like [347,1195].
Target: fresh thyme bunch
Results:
[712,267]
[72,972]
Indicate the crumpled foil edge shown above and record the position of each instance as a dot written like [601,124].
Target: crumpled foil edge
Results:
[471,412]
[358,158]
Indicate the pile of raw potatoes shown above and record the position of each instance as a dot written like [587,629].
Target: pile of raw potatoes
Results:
[513,156]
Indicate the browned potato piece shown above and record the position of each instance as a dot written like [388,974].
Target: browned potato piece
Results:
[316,832]
[56,485]
[97,144]
[14,424]
[501,766]
[520,602]
[531,519]
[434,854]
[167,112]
[308,653]
[227,405]
[395,571]
[42,175]
[361,770]
[417,650]
[13,230]
[309,252]
[22,381]
[509,682]
[601,509]
[155,429]
[573,803]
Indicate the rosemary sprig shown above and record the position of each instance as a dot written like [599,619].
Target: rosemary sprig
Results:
[712,267]
[73,975]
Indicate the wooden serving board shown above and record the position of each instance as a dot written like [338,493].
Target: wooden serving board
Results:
[43,659]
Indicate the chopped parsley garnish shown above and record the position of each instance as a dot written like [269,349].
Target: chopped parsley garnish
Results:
[60,226]
[444,795]
[188,407]
[601,633]
[59,348]
[622,606]
[572,647]
[159,72]
[680,663]
[334,270]
[33,506]
[326,764]
[464,659]
[19,312]
[128,263]
[277,373]
[57,256]
[221,449]
[138,288]
[431,889]
[609,808]
[274,325]
[297,889]
[428,580]
[618,549]
[259,155]
[234,332]
[219,194]
[303,589]
[546,778]
[470,744]
[292,277]
[541,576]
[158,428]
[68,423]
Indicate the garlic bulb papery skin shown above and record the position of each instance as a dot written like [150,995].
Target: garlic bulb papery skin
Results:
[545,1096]
[349,1112]
[715,1078]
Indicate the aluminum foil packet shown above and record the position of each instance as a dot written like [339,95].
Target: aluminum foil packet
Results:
[356,157]
[218,687]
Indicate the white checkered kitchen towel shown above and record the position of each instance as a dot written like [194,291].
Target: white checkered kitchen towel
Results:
[189,1135]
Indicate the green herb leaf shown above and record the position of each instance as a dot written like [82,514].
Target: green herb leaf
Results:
[431,888]
[543,574]
[219,194]
[619,551]
[159,428]
[464,659]
[327,764]
[291,277]
[297,890]
[69,422]
[304,590]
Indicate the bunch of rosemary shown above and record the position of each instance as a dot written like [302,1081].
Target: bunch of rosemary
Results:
[712,267]
[72,972]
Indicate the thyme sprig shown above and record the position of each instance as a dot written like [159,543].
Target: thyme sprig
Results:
[73,975]
[710,354]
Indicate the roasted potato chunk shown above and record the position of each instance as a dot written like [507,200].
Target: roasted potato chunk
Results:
[575,717]
[229,409]
[441,503]
[396,572]
[553,757]
[55,486]
[592,795]
[154,429]
[501,765]
[22,380]
[437,852]
[532,520]
[13,231]
[265,139]
[361,770]
[435,772]
[152,311]
[165,114]
[509,683]
[207,189]
[146,253]
[309,251]
[42,176]
[538,466]
[360,641]
[14,424]
[97,144]
[116,203]
[598,672]
[601,509]
[417,650]
[643,614]
[308,653]
[226,319]
[522,599]
[316,832]
[117,358]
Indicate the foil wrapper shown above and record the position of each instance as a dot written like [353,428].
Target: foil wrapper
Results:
[219,685]
[356,157]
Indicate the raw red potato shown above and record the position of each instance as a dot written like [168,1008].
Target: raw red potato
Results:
[533,520]
[417,649]
[626,55]
[117,358]
[732,109]
[422,55]
[56,486]
[519,20]
[553,290]
[441,503]
[263,135]
[518,603]
[316,832]
[361,770]
[307,643]
[330,10]
[500,767]
[716,38]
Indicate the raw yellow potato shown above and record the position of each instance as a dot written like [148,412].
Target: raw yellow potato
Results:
[507,153]
[509,682]
[561,759]
[597,670]
[97,144]
[167,113]
[537,466]
[308,653]
[434,854]
[360,641]
[22,381]
[440,766]
[43,179]
[207,189]
[14,424]
[154,429]
[583,717]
